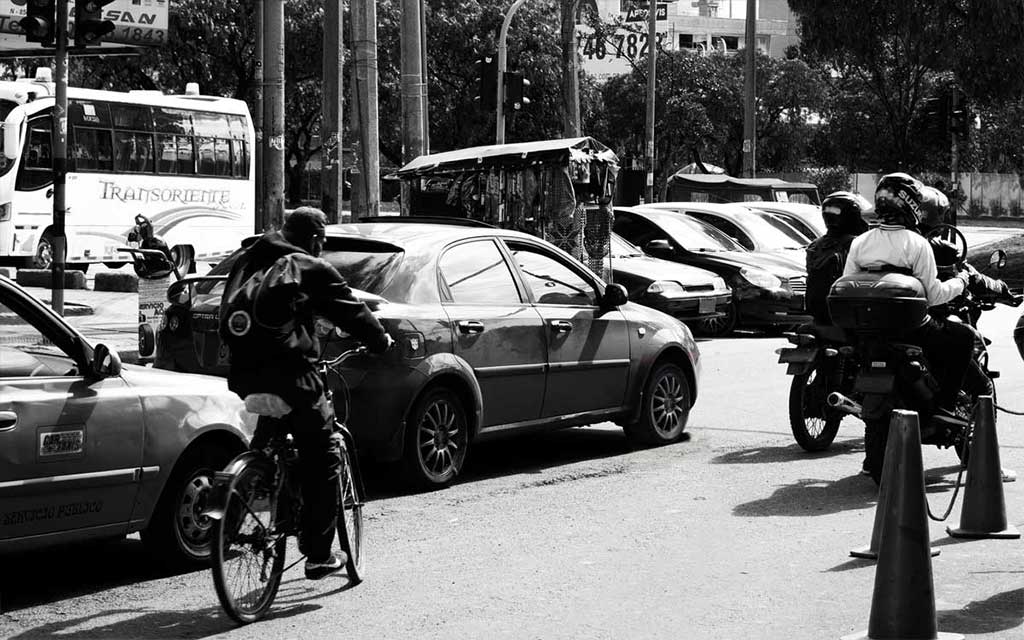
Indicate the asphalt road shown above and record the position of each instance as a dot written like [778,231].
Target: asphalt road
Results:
[735,533]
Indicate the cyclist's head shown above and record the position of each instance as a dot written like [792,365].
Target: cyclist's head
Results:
[305,228]
[934,207]
[845,212]
[898,200]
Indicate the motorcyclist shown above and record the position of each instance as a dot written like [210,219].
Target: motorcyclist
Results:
[895,244]
[267,321]
[844,215]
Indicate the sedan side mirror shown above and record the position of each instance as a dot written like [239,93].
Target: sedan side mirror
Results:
[615,295]
[997,260]
[105,362]
[655,247]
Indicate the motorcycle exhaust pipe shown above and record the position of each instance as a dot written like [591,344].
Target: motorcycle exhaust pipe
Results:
[840,402]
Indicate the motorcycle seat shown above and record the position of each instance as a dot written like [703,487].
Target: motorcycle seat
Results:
[824,332]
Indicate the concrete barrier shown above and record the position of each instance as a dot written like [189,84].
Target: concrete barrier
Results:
[8,272]
[44,278]
[113,281]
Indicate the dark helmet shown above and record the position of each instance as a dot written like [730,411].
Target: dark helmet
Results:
[934,207]
[898,200]
[845,212]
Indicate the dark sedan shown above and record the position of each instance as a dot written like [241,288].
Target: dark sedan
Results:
[497,331]
[768,290]
[682,291]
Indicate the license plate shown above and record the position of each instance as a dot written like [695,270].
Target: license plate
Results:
[706,305]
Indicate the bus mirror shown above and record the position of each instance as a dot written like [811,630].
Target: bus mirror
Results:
[12,134]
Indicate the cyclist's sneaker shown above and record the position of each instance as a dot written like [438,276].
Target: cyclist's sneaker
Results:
[1009,475]
[318,570]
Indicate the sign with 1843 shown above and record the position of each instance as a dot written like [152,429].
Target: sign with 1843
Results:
[136,22]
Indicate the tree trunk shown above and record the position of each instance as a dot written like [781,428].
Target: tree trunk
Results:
[570,71]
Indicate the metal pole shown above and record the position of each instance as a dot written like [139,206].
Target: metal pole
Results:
[364,42]
[954,162]
[60,159]
[257,120]
[652,61]
[332,175]
[273,116]
[426,74]
[502,64]
[412,81]
[749,90]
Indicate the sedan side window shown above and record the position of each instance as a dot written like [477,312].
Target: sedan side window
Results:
[550,280]
[25,351]
[476,273]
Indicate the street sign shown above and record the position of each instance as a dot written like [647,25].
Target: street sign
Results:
[136,22]
[639,14]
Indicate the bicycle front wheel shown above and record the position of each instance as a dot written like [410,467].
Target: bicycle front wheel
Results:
[248,550]
[350,515]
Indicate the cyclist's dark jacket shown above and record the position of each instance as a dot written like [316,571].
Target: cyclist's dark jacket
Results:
[288,369]
[826,257]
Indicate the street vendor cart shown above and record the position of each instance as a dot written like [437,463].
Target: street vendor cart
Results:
[558,190]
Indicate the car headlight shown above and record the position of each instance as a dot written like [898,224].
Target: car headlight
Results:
[667,288]
[760,278]
[718,284]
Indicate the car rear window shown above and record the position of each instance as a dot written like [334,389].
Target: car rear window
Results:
[368,265]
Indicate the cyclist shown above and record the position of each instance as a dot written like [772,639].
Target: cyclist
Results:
[267,321]
[895,244]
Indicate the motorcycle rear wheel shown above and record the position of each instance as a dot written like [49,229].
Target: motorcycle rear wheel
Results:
[806,399]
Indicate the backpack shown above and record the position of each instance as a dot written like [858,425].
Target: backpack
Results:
[258,312]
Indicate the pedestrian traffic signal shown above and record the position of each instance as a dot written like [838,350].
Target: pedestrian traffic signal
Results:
[487,71]
[40,22]
[90,27]
[515,88]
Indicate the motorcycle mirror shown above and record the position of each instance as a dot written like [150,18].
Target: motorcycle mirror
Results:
[997,260]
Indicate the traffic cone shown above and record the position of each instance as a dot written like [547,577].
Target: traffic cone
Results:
[870,552]
[903,601]
[984,512]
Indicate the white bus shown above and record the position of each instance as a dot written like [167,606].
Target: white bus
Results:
[183,161]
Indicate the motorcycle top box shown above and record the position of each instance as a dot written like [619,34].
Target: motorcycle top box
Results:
[878,301]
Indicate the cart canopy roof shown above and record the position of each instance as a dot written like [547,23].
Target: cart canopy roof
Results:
[718,179]
[520,153]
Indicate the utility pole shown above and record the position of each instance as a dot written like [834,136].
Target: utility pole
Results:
[502,65]
[652,63]
[60,159]
[570,71]
[257,119]
[426,75]
[366,180]
[954,158]
[749,90]
[332,174]
[273,114]
[412,81]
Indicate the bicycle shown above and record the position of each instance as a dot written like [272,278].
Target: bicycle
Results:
[255,505]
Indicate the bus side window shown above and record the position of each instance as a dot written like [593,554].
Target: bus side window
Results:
[37,159]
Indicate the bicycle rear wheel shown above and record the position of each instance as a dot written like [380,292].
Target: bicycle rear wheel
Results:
[248,550]
[350,515]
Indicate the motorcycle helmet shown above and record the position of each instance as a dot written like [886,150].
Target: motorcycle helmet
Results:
[845,212]
[934,207]
[898,200]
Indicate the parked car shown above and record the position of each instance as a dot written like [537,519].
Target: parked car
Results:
[685,292]
[91,448]
[805,218]
[497,332]
[768,290]
[711,187]
[753,231]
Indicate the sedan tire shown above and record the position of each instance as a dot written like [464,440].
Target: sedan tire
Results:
[665,407]
[437,439]
[720,326]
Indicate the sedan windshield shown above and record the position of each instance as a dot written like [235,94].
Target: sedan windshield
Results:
[778,223]
[622,248]
[767,236]
[694,235]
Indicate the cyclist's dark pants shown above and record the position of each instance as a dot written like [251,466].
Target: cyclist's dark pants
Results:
[312,427]
[948,347]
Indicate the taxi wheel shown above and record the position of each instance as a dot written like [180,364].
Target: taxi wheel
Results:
[437,439]
[665,407]
[178,532]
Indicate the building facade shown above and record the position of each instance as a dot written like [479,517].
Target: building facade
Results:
[700,26]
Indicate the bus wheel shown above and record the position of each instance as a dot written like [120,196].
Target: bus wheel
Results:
[43,257]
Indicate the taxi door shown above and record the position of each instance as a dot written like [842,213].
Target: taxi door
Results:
[588,345]
[70,445]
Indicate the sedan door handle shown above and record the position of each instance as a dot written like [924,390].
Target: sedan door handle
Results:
[8,420]
[561,326]
[470,326]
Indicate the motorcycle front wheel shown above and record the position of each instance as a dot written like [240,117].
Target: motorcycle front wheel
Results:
[813,423]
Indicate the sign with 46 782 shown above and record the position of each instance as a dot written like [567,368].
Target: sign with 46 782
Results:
[615,53]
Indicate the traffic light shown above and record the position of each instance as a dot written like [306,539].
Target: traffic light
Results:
[515,86]
[960,117]
[936,115]
[487,71]
[90,27]
[40,22]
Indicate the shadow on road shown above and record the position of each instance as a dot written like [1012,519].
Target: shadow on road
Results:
[1001,612]
[789,453]
[150,624]
[813,497]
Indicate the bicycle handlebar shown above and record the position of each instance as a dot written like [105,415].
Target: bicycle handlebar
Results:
[343,356]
